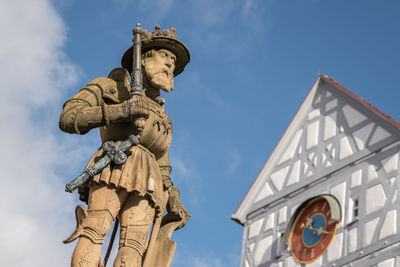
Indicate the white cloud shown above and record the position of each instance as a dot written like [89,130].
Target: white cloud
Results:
[37,214]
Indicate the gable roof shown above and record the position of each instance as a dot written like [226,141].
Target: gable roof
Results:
[361,100]
[362,129]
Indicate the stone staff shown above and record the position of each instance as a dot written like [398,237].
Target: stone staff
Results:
[137,76]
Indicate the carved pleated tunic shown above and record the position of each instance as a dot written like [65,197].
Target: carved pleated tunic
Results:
[141,171]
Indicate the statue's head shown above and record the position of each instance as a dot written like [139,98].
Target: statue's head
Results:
[163,57]
[159,66]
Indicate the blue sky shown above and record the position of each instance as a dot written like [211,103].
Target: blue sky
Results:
[253,62]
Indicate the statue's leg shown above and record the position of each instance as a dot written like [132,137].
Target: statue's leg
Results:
[104,205]
[86,253]
[136,219]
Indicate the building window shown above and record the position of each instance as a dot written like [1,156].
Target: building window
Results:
[355,208]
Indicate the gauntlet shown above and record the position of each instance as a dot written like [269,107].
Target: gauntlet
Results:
[131,110]
[176,210]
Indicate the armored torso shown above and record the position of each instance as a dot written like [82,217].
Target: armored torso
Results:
[157,133]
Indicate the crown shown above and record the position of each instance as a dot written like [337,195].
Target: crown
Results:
[167,39]
[171,33]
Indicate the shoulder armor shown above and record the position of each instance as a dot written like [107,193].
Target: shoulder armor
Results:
[115,88]
[120,91]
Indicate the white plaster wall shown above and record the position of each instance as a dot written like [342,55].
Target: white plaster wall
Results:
[387,263]
[336,247]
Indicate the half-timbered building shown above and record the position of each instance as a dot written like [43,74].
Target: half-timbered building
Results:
[338,150]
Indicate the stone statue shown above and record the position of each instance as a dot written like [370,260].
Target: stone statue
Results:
[137,192]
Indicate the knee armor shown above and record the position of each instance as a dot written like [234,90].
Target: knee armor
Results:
[96,225]
[93,224]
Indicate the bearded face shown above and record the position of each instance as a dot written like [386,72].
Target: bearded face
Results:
[159,69]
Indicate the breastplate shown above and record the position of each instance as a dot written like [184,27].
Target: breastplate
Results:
[157,133]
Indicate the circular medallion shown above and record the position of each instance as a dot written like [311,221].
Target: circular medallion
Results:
[313,231]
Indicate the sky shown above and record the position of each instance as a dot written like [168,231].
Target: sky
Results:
[252,64]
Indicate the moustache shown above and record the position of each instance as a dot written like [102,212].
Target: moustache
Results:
[165,71]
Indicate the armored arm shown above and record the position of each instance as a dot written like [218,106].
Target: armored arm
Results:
[101,103]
